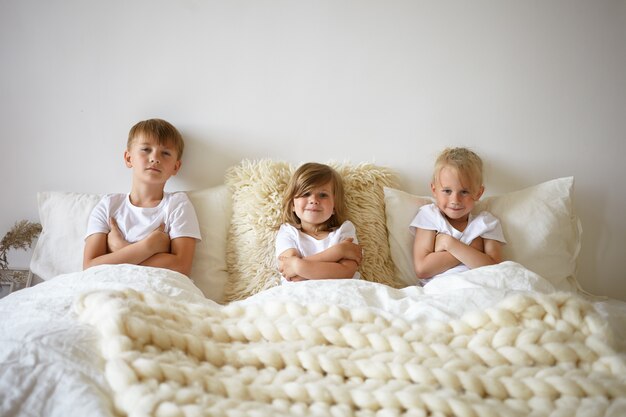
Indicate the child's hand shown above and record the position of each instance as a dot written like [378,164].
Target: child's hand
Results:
[287,266]
[351,250]
[443,242]
[158,241]
[115,239]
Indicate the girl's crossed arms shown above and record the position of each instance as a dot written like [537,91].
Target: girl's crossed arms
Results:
[315,241]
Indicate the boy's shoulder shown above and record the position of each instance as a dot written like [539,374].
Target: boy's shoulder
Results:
[176,197]
[114,198]
[487,216]
[429,210]
[178,202]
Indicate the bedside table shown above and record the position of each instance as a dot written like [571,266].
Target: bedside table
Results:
[13,280]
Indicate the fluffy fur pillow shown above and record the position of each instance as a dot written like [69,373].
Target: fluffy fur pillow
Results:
[257,188]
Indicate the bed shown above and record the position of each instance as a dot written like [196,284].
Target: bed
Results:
[515,339]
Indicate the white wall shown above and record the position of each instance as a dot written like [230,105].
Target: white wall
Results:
[538,88]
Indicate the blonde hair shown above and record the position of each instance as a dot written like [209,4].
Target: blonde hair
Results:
[161,131]
[307,177]
[467,164]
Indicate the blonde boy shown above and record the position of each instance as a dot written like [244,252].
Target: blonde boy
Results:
[448,236]
[148,226]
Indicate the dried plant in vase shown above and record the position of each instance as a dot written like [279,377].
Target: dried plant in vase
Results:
[20,236]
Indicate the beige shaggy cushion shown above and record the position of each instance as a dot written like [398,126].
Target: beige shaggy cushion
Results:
[257,188]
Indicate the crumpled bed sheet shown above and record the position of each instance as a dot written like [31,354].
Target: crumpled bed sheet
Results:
[50,363]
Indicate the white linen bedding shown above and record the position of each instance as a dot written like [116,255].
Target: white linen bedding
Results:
[51,363]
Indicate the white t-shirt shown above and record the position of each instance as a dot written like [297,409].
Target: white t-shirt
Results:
[484,225]
[289,237]
[135,223]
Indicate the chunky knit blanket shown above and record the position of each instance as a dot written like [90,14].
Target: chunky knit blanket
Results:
[531,355]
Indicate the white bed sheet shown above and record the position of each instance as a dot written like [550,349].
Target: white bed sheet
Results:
[50,364]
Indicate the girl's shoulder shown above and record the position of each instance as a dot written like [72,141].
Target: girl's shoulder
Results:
[287,228]
[347,225]
[347,229]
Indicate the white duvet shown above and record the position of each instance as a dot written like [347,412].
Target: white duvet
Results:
[50,363]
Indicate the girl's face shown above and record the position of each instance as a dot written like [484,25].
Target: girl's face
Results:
[454,199]
[315,207]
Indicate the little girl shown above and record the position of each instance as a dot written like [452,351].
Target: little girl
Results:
[315,241]
[448,237]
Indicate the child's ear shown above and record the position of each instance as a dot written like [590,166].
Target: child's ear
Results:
[127,160]
[432,188]
[480,192]
[177,166]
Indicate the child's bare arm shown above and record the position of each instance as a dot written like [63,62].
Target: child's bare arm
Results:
[115,238]
[180,257]
[346,249]
[286,262]
[308,269]
[96,253]
[295,268]
[484,252]
[493,249]
[427,261]
[95,248]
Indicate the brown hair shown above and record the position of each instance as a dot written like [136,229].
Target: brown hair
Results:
[307,177]
[468,165]
[161,131]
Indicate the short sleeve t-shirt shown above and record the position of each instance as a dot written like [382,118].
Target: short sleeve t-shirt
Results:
[289,237]
[484,225]
[175,211]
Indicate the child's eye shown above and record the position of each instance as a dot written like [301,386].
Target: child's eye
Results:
[323,195]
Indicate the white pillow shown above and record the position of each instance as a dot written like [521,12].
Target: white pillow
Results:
[400,208]
[64,217]
[214,209]
[539,224]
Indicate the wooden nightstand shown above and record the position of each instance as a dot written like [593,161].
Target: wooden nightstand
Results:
[13,280]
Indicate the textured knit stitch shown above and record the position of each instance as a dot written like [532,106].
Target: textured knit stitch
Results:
[531,355]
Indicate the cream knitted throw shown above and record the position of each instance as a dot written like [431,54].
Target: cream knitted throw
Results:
[537,355]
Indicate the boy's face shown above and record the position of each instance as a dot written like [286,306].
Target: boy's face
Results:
[452,197]
[152,163]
